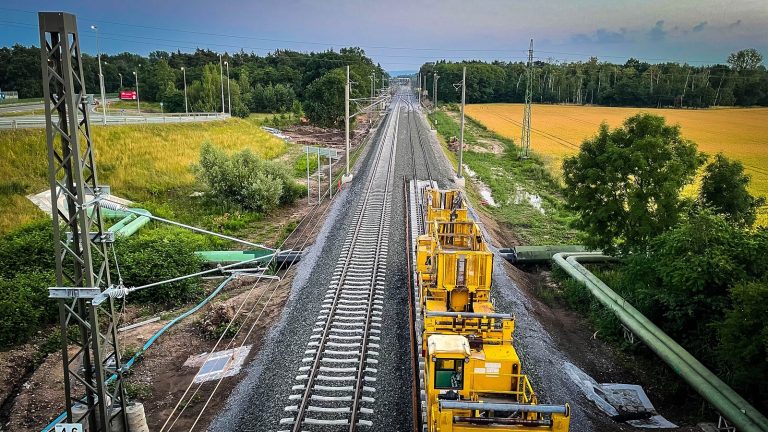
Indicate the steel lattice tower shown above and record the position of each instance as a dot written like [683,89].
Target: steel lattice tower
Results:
[525,141]
[93,384]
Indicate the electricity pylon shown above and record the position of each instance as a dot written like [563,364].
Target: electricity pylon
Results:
[93,384]
[525,141]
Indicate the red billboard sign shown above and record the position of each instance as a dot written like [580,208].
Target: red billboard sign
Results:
[128,95]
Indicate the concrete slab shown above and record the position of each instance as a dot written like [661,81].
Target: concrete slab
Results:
[622,402]
[43,200]
[218,364]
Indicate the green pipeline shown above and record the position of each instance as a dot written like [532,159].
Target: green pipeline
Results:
[732,406]
[221,257]
[130,222]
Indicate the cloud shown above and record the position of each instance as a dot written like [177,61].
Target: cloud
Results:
[657,32]
[601,36]
[733,25]
[699,27]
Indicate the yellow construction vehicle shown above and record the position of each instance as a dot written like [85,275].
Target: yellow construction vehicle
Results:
[481,389]
[472,378]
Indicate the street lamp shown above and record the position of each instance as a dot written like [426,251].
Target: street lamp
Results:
[186,105]
[121,80]
[138,102]
[101,78]
[229,92]
[221,79]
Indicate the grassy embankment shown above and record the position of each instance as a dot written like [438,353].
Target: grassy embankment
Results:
[494,160]
[558,130]
[150,164]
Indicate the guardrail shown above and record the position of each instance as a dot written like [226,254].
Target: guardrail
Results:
[38,122]
[729,403]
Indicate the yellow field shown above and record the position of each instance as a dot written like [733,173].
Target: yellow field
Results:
[136,160]
[558,130]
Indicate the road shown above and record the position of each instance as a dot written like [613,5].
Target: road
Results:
[259,401]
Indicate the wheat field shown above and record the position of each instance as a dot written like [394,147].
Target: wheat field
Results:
[137,161]
[558,130]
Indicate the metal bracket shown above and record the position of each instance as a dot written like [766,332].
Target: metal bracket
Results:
[105,237]
[73,292]
[99,193]
[723,425]
[628,335]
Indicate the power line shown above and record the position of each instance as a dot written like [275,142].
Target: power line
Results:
[382,47]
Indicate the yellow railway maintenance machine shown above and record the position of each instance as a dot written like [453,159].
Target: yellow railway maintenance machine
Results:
[471,378]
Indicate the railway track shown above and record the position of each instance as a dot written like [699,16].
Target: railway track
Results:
[337,385]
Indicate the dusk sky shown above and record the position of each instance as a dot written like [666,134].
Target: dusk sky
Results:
[403,34]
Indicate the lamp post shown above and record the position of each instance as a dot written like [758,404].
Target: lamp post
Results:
[186,105]
[434,93]
[229,91]
[221,79]
[460,177]
[101,79]
[347,177]
[138,101]
[121,80]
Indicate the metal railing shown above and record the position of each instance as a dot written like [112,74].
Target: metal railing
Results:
[39,122]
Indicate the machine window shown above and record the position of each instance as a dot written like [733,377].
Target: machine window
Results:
[449,374]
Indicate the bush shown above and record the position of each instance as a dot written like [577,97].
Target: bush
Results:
[160,254]
[246,180]
[25,306]
[30,248]
[300,166]
[744,338]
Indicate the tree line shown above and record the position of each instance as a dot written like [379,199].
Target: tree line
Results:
[743,81]
[280,81]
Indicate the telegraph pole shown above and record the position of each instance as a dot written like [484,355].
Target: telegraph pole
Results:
[93,367]
[525,142]
[347,177]
[460,177]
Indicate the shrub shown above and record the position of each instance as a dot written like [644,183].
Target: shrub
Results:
[246,180]
[160,254]
[29,248]
[25,306]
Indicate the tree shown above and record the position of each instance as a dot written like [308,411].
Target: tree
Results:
[746,59]
[743,333]
[724,190]
[324,104]
[625,184]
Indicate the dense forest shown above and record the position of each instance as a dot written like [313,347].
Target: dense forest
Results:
[743,81]
[271,83]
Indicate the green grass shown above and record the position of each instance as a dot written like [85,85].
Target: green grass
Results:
[447,127]
[504,174]
[20,101]
[150,164]
[148,107]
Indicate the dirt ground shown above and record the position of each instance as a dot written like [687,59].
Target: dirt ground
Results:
[159,378]
[314,135]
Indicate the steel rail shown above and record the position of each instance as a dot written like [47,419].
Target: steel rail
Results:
[315,368]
